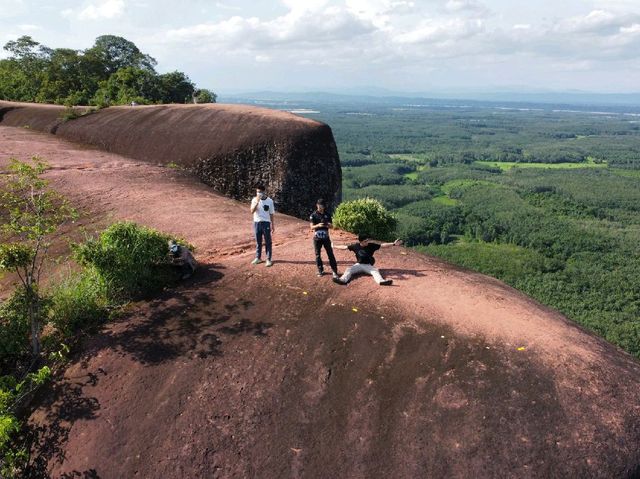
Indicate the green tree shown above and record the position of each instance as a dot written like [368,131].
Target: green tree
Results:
[127,85]
[205,96]
[24,68]
[31,214]
[63,79]
[115,53]
[175,87]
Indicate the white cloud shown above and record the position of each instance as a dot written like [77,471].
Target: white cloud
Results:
[343,40]
[597,21]
[28,27]
[11,8]
[438,31]
[106,9]
[308,23]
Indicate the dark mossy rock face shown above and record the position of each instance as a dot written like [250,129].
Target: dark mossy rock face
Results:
[229,147]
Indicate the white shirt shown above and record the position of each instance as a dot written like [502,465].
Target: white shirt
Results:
[260,214]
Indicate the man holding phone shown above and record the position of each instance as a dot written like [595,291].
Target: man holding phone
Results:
[263,226]
[320,222]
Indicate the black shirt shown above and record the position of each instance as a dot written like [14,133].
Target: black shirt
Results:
[317,218]
[364,255]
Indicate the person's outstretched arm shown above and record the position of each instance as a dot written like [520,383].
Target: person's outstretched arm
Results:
[397,242]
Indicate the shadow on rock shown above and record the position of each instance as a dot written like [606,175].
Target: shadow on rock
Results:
[176,324]
[65,403]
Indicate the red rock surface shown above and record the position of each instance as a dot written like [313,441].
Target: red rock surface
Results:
[246,371]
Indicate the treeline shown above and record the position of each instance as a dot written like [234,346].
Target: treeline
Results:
[463,136]
[112,72]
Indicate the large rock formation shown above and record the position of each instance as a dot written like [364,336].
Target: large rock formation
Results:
[248,371]
[229,147]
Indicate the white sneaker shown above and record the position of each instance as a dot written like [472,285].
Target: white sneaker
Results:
[256,261]
[269,263]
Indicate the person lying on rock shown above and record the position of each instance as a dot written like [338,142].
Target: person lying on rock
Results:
[263,226]
[320,223]
[364,250]
[181,257]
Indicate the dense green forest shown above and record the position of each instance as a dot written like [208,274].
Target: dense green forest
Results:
[547,201]
[112,72]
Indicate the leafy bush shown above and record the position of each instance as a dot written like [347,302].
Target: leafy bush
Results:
[367,216]
[70,113]
[13,393]
[14,330]
[79,301]
[131,259]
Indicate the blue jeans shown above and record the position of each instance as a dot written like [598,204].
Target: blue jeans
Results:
[263,228]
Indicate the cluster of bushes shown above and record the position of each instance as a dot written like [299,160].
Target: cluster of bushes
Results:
[126,261]
[112,72]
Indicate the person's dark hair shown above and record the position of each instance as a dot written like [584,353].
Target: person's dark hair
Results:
[362,237]
[321,202]
[260,186]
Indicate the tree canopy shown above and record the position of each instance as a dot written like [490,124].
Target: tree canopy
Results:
[112,72]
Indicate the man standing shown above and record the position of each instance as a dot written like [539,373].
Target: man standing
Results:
[263,210]
[364,250]
[320,223]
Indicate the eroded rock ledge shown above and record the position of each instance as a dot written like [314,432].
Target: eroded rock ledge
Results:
[229,147]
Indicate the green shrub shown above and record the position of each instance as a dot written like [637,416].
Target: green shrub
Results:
[367,216]
[70,113]
[79,301]
[131,259]
[13,456]
[14,330]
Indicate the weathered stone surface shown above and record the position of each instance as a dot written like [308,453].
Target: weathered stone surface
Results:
[229,147]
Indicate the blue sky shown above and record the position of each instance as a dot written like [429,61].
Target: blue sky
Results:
[402,45]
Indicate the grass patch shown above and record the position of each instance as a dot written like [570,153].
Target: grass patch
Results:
[508,165]
[79,301]
[411,157]
[413,176]
[445,200]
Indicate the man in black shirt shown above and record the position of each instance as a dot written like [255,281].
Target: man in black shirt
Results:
[364,250]
[320,224]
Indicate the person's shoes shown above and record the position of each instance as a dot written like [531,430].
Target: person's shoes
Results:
[339,281]
[269,263]
[256,261]
[386,282]
[336,276]
[320,273]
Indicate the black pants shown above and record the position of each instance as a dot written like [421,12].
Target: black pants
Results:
[317,246]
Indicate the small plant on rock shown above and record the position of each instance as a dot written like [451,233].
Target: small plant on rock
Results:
[31,213]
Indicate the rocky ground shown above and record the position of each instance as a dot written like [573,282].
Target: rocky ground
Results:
[246,371]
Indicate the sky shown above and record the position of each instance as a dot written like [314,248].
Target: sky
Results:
[349,45]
